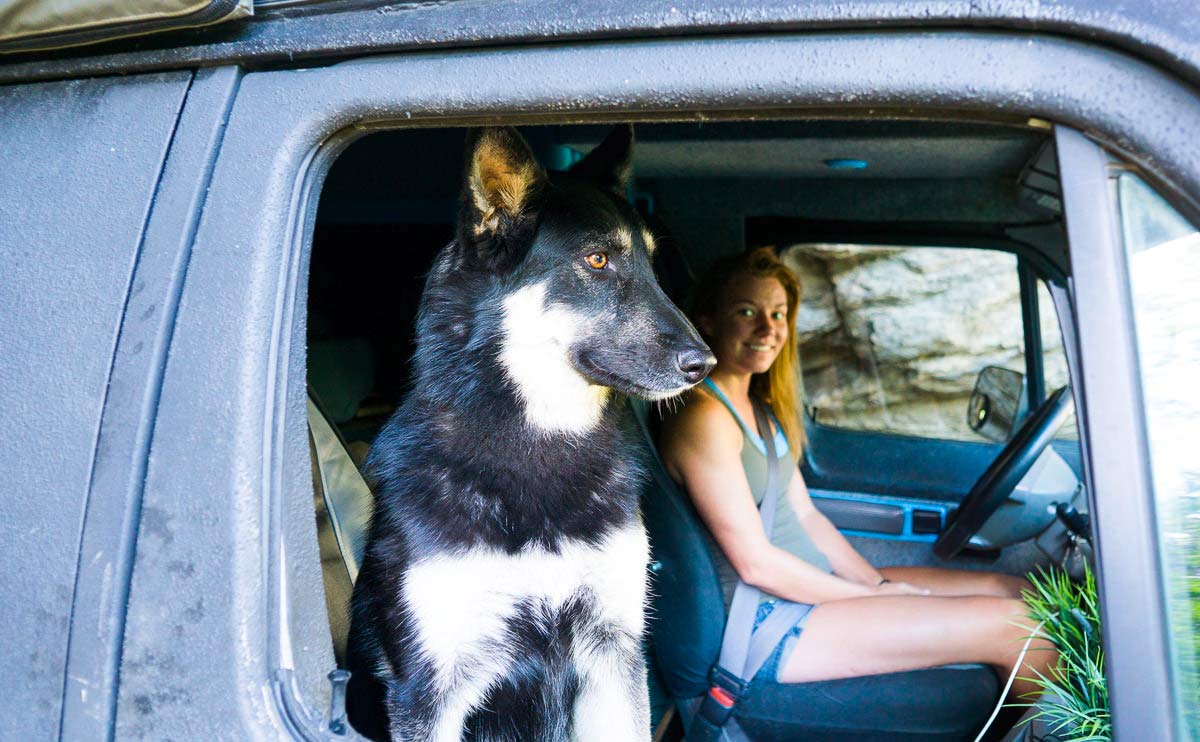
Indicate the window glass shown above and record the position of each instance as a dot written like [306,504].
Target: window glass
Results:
[892,338]
[1164,270]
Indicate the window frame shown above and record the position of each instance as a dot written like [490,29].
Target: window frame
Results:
[1117,472]
[1035,376]
[286,125]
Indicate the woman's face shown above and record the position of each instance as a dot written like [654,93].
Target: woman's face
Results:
[749,326]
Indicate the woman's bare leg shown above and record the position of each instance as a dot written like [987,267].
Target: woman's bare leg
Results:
[951,582]
[869,636]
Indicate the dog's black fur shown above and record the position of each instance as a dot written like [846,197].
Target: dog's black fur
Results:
[463,468]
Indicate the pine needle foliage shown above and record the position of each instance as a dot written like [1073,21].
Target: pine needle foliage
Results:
[1074,694]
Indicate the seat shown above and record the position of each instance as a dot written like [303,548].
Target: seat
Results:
[687,620]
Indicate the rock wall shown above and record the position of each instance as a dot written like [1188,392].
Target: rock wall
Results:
[892,339]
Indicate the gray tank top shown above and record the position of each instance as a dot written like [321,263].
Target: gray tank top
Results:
[788,535]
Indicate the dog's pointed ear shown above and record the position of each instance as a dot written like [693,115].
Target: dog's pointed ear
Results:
[610,164]
[502,179]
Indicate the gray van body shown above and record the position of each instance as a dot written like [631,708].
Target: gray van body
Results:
[157,196]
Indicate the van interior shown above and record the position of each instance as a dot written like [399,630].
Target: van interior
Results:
[927,251]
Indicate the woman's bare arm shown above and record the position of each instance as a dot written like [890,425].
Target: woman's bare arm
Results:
[701,447]
[844,558]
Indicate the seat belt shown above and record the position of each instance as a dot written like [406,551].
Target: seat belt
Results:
[744,649]
[347,496]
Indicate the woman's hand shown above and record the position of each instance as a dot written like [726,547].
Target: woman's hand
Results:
[887,587]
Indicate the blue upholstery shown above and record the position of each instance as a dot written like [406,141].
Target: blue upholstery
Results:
[684,580]
[687,619]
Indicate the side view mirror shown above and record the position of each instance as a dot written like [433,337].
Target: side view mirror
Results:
[997,403]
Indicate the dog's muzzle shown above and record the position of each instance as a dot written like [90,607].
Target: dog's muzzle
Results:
[695,364]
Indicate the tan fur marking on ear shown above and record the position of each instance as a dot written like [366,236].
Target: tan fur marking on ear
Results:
[488,222]
[498,183]
[648,238]
[623,237]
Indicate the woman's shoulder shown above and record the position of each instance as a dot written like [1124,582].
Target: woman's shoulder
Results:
[699,422]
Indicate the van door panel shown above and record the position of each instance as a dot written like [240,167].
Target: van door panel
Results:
[78,172]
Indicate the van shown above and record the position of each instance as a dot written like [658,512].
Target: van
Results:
[199,226]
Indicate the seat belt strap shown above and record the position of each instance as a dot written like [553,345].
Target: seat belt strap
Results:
[770,632]
[742,611]
[347,496]
[744,649]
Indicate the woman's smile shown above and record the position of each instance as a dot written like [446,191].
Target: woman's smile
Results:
[750,326]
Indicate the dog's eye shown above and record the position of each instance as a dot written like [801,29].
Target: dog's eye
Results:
[597,260]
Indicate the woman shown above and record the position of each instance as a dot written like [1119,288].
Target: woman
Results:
[864,620]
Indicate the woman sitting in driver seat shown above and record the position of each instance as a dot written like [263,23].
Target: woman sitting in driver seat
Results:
[862,620]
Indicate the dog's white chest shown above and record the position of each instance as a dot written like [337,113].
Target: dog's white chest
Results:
[461,602]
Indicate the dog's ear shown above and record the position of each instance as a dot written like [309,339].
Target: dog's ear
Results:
[610,164]
[502,181]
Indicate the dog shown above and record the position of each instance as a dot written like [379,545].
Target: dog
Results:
[502,590]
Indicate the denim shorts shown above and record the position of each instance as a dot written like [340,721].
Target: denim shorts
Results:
[770,670]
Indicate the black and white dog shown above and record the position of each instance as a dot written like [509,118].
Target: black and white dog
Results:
[502,591]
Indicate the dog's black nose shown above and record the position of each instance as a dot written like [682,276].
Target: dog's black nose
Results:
[695,364]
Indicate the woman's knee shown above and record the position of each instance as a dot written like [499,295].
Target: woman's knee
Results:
[1010,586]
[999,620]
[1008,627]
[984,629]
[1012,611]
[1000,585]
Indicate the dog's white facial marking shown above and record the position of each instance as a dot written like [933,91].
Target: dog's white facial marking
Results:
[660,396]
[534,354]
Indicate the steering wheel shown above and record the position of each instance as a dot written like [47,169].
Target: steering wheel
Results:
[1001,477]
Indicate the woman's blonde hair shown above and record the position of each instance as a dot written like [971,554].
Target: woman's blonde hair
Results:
[779,386]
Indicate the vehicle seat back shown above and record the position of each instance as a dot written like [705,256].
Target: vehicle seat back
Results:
[688,604]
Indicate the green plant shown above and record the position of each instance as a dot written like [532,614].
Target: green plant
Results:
[1074,697]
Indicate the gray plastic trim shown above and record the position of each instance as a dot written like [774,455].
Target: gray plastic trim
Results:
[1162,31]
[862,516]
[74,205]
[1115,450]
[114,505]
